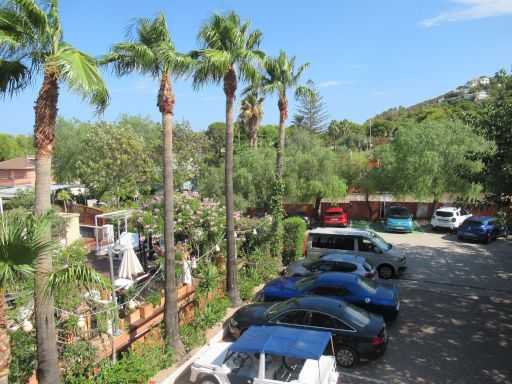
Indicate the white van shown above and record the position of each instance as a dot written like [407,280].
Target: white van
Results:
[388,259]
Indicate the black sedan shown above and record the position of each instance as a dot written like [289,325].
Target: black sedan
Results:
[357,333]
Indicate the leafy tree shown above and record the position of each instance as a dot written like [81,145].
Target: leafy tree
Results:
[69,148]
[338,130]
[22,199]
[32,42]
[251,113]
[279,76]
[227,45]
[8,147]
[432,158]
[495,122]
[311,112]
[64,196]
[149,130]
[216,135]
[117,166]
[313,171]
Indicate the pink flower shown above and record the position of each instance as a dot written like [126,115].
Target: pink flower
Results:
[143,238]
[140,219]
[147,226]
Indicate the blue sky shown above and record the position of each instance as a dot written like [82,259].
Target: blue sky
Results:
[366,56]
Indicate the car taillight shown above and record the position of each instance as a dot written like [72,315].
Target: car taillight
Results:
[377,340]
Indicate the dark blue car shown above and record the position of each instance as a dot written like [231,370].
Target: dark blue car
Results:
[376,297]
[481,228]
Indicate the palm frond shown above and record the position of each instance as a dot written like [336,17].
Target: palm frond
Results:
[34,14]
[305,91]
[75,275]
[81,74]
[22,239]
[126,57]
[14,77]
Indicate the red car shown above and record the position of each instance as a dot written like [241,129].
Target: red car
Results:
[334,217]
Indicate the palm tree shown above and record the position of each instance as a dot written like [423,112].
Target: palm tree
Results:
[279,76]
[31,42]
[229,51]
[151,52]
[22,239]
[251,113]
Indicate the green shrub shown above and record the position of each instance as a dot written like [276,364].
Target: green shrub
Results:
[294,230]
[24,354]
[79,359]
[261,239]
[153,298]
[136,366]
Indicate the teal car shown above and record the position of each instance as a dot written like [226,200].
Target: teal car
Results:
[398,219]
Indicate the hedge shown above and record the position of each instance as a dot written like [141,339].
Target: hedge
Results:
[294,230]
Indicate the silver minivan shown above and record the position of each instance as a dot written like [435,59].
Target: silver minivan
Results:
[388,259]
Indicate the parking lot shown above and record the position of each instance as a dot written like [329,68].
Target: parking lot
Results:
[455,324]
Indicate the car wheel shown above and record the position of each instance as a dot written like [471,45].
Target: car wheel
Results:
[487,239]
[346,357]
[386,271]
[209,380]
[434,228]
[460,238]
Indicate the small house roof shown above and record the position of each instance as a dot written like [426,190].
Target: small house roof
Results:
[23,162]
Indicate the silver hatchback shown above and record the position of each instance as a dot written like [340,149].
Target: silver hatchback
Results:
[333,262]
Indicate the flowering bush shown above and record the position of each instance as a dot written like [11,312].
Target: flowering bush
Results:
[197,221]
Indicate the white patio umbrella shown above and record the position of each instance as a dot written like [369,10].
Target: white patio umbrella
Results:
[130,264]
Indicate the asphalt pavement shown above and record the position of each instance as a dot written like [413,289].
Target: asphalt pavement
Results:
[455,322]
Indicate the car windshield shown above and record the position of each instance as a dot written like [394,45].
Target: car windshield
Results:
[333,213]
[380,242]
[473,223]
[305,282]
[356,315]
[368,285]
[444,214]
[312,264]
[398,213]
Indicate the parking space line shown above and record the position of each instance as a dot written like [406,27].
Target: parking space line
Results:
[365,378]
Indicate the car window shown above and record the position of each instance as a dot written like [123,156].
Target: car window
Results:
[340,324]
[321,320]
[492,222]
[344,267]
[304,283]
[292,317]
[312,264]
[344,243]
[365,245]
[368,285]
[464,212]
[398,213]
[380,242]
[323,242]
[473,222]
[444,214]
[325,291]
[356,315]
[325,266]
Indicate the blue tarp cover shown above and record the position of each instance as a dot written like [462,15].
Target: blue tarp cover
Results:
[283,341]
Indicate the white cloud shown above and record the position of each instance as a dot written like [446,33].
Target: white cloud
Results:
[379,93]
[335,83]
[475,9]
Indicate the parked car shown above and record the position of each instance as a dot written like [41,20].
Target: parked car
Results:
[398,219]
[388,259]
[449,218]
[481,228]
[334,217]
[268,355]
[356,333]
[301,215]
[376,297]
[332,262]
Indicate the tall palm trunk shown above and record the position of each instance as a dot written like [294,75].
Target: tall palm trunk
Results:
[253,131]
[171,319]
[5,347]
[283,115]
[45,116]
[230,85]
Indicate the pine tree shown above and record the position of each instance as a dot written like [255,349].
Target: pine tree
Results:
[311,111]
